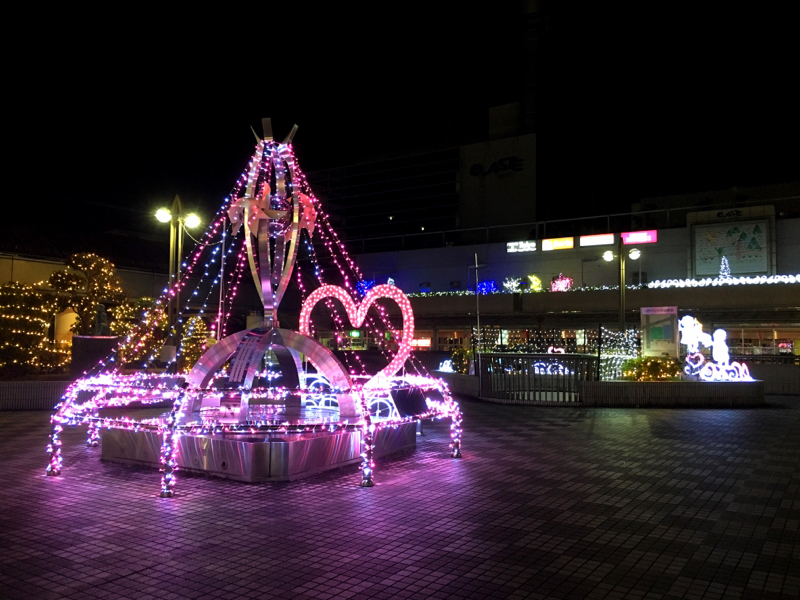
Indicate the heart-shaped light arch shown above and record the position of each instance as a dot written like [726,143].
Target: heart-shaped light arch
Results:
[358,313]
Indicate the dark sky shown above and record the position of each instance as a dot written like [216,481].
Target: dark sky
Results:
[113,121]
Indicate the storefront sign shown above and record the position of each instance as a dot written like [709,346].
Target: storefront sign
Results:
[521,247]
[602,239]
[640,237]
[564,243]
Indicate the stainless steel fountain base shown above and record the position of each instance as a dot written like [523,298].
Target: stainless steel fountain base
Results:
[247,457]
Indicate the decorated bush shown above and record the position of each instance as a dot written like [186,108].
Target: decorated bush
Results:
[25,316]
[84,285]
[651,368]
[461,358]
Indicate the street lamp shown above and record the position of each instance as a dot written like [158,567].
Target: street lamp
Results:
[633,254]
[178,222]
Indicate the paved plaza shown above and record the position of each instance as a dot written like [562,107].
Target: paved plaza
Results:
[546,503]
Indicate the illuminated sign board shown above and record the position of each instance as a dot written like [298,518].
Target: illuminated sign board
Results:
[421,342]
[640,237]
[564,243]
[521,247]
[602,239]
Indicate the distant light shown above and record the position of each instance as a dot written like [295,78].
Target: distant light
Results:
[391,217]
[163,215]
[635,254]
[422,228]
[192,220]
[608,255]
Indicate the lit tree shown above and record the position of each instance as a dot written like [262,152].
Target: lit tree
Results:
[512,284]
[25,316]
[194,342]
[724,268]
[87,282]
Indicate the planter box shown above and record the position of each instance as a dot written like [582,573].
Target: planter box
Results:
[672,393]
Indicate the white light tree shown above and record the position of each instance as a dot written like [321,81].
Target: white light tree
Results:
[724,269]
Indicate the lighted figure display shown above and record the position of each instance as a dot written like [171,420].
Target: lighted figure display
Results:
[561,283]
[446,366]
[721,369]
[535,284]
[512,285]
[257,381]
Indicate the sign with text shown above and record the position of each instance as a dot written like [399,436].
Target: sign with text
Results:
[521,247]
[602,239]
[564,243]
[659,331]
[640,237]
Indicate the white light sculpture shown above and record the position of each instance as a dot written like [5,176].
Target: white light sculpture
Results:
[720,369]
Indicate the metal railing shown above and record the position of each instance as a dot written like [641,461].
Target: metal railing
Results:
[535,378]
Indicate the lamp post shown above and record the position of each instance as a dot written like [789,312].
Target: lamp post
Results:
[479,337]
[178,221]
[608,255]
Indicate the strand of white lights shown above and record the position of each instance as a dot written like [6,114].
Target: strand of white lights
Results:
[717,281]
[616,348]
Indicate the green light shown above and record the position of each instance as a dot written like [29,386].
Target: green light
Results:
[355,333]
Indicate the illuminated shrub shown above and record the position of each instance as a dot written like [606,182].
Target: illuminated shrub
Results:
[651,368]
[460,360]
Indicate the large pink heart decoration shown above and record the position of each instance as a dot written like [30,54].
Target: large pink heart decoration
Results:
[358,313]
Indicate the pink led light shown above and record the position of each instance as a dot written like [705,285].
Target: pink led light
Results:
[357,315]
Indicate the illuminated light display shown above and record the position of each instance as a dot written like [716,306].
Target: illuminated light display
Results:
[564,243]
[535,284]
[640,237]
[272,214]
[720,281]
[601,239]
[724,268]
[487,287]
[697,365]
[561,283]
[512,285]
[520,247]
[446,366]
[25,315]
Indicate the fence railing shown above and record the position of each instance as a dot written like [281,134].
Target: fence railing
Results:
[535,378]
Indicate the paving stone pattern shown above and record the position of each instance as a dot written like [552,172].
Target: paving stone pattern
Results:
[546,503]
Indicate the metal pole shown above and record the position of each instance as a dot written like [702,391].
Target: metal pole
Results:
[171,279]
[178,258]
[621,287]
[221,281]
[478,315]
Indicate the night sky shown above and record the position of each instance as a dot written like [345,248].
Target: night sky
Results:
[105,124]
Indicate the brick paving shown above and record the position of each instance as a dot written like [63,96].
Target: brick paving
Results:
[546,503]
